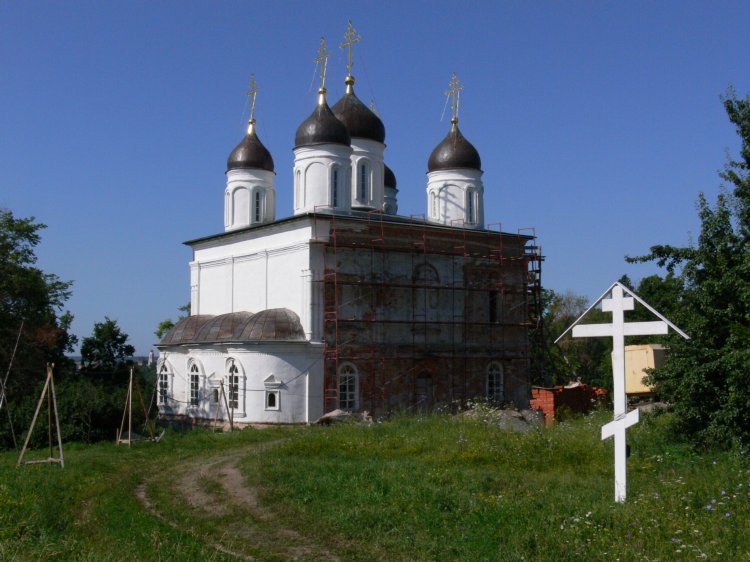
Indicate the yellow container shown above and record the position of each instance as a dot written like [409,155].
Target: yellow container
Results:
[638,358]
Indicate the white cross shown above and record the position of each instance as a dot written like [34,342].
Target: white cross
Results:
[617,330]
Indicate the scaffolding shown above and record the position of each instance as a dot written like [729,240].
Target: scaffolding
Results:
[418,306]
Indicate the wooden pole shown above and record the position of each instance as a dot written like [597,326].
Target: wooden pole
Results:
[124,414]
[130,409]
[10,364]
[57,419]
[224,394]
[49,422]
[218,403]
[145,414]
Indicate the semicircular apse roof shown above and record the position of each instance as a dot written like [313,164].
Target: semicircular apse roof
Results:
[274,324]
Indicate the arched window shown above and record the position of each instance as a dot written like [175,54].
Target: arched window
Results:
[195,383]
[348,387]
[495,383]
[233,385]
[163,383]
[271,400]
[426,299]
[257,206]
[470,207]
[363,177]
[335,187]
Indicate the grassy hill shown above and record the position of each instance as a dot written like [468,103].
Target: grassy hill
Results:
[432,488]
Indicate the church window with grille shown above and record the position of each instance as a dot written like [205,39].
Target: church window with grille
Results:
[233,386]
[163,383]
[363,182]
[257,206]
[195,379]
[348,387]
[495,383]
[335,187]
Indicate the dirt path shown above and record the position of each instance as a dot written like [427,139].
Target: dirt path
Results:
[215,488]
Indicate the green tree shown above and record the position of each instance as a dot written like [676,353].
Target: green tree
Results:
[34,299]
[571,359]
[166,325]
[705,378]
[107,348]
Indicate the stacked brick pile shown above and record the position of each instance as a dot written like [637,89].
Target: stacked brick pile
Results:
[576,398]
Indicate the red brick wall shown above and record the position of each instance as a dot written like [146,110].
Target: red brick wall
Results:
[578,400]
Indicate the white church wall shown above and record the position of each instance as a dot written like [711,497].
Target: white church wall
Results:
[293,372]
[254,271]
[367,153]
[313,173]
[456,198]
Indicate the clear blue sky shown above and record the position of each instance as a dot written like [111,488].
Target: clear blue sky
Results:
[598,123]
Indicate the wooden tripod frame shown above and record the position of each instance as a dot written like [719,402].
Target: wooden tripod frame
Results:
[226,405]
[49,391]
[128,413]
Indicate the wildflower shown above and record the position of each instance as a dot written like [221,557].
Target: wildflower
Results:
[709,507]
[728,514]
[713,500]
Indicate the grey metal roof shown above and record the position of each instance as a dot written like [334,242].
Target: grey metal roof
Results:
[275,324]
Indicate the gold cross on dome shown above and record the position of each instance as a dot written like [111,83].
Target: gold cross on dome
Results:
[252,92]
[322,58]
[351,38]
[453,91]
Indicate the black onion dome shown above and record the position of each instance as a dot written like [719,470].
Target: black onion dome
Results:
[454,152]
[322,127]
[250,153]
[389,178]
[357,117]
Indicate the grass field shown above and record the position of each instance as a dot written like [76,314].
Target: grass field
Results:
[432,488]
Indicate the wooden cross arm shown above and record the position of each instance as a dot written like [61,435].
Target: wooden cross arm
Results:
[655,328]
[621,423]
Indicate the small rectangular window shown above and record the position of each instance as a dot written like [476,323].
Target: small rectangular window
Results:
[257,206]
[272,400]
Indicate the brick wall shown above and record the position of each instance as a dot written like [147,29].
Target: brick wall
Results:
[576,399]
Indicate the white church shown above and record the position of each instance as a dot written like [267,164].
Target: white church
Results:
[345,304]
